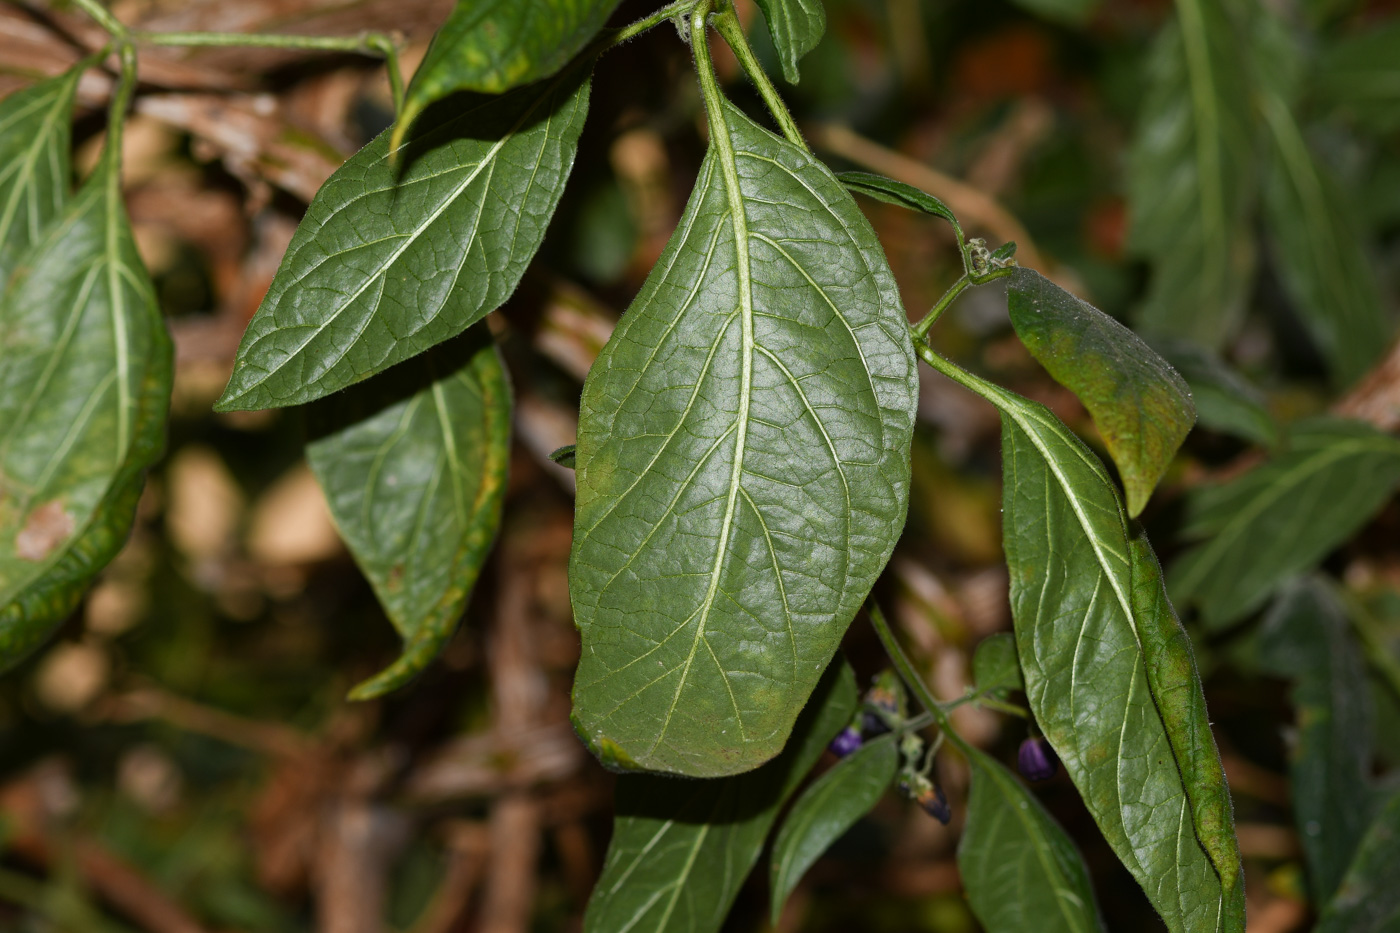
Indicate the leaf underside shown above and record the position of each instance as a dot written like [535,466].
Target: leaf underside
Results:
[35,171]
[743,465]
[796,27]
[397,254]
[413,464]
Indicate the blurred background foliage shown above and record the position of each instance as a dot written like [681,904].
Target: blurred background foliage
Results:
[182,758]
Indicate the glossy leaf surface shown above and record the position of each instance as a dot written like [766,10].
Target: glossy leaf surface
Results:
[796,27]
[1140,405]
[35,163]
[680,851]
[743,465]
[1368,900]
[1282,517]
[413,464]
[832,805]
[1225,401]
[84,388]
[995,667]
[1019,869]
[396,255]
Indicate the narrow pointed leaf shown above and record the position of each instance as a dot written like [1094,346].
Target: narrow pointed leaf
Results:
[413,464]
[832,805]
[1190,176]
[1019,869]
[35,170]
[84,388]
[995,667]
[743,465]
[1306,637]
[1140,405]
[1225,401]
[796,27]
[898,193]
[396,255]
[1281,518]
[1368,900]
[681,850]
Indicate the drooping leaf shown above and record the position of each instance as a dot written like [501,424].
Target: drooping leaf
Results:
[1225,401]
[1140,405]
[1019,869]
[491,46]
[1073,12]
[564,456]
[832,805]
[743,464]
[1306,638]
[1190,176]
[35,170]
[1368,900]
[681,850]
[1358,74]
[1281,518]
[898,193]
[995,667]
[413,464]
[396,256]
[84,387]
[796,27]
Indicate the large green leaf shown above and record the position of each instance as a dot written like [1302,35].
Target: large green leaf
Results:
[1368,900]
[681,850]
[832,805]
[743,464]
[1360,74]
[1019,869]
[413,464]
[1225,401]
[492,46]
[1140,405]
[796,27]
[1191,173]
[84,388]
[1306,637]
[35,170]
[396,256]
[1282,517]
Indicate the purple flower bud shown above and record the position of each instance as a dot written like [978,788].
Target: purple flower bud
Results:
[1036,760]
[846,741]
[872,725]
[935,804]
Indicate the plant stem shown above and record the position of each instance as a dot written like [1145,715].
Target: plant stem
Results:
[365,43]
[103,17]
[728,26]
[910,676]
[622,34]
[921,329]
[116,110]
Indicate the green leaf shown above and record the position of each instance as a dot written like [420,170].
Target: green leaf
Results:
[1140,405]
[743,464]
[907,196]
[1281,518]
[492,46]
[681,850]
[1073,12]
[35,170]
[1225,401]
[995,667]
[1368,900]
[393,258]
[1359,75]
[564,456]
[413,465]
[1306,637]
[84,387]
[1190,176]
[796,27]
[832,805]
[1019,869]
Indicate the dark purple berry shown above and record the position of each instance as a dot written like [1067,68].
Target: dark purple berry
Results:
[872,725]
[1036,760]
[846,741]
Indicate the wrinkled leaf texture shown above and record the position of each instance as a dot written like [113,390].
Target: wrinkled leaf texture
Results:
[681,850]
[1368,900]
[35,170]
[413,464]
[395,256]
[743,464]
[796,27]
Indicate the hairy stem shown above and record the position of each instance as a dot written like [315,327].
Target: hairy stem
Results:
[921,329]
[732,31]
[366,43]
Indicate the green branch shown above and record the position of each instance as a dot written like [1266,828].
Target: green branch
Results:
[911,677]
[732,31]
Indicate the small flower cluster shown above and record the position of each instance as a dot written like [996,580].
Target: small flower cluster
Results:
[883,709]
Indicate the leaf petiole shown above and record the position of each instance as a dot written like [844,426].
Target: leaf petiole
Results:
[911,677]
[968,278]
[732,31]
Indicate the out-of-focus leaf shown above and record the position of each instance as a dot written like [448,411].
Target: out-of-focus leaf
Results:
[1191,176]
[84,388]
[1306,638]
[1019,869]
[35,170]
[1225,401]
[1140,405]
[492,46]
[796,27]
[394,257]
[743,464]
[1359,74]
[1368,900]
[1074,12]
[1282,517]
[898,193]
[995,667]
[413,465]
[681,850]
[832,805]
